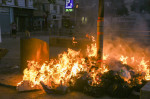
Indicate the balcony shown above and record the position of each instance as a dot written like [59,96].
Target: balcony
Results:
[28,4]
[8,2]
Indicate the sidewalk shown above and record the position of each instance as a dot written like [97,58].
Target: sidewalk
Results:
[21,34]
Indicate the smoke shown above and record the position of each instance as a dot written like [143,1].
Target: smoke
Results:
[129,50]
[132,26]
[126,47]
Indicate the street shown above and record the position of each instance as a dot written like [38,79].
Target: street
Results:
[99,48]
[7,93]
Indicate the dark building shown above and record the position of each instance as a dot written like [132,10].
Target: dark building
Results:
[18,11]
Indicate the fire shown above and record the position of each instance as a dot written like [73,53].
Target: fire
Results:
[73,41]
[69,64]
[92,50]
[123,59]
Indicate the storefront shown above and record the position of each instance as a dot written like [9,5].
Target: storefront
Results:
[4,20]
[23,18]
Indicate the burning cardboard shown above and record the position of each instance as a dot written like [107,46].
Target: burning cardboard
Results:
[26,86]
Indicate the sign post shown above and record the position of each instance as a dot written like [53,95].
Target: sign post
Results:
[100,31]
[69,5]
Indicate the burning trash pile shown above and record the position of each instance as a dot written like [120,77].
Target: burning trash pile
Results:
[124,69]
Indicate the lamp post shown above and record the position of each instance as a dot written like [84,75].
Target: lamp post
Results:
[100,31]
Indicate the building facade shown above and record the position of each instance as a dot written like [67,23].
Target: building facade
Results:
[18,11]
[49,14]
[56,13]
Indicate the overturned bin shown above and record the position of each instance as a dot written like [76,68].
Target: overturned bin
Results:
[32,49]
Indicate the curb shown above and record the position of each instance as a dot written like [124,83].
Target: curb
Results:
[8,86]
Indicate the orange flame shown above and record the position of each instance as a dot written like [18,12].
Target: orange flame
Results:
[70,63]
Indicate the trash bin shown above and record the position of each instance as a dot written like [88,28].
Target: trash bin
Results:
[32,49]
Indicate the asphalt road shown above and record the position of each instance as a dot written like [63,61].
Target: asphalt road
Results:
[7,93]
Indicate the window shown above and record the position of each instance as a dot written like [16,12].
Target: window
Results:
[43,7]
[55,8]
[61,9]
[26,3]
[16,2]
[84,20]
[3,1]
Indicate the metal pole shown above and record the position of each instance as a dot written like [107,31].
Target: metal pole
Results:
[100,31]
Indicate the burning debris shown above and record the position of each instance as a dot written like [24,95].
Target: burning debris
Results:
[26,86]
[118,76]
[74,42]
[60,89]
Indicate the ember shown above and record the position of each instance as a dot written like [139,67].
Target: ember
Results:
[120,73]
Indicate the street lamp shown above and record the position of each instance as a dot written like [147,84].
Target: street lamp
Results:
[100,31]
[76,7]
